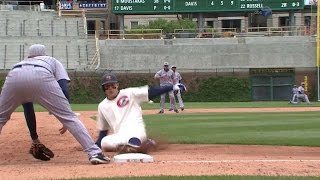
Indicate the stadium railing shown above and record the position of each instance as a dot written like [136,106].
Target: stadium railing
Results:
[203,33]
[128,34]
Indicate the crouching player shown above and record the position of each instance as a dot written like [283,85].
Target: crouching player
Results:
[120,123]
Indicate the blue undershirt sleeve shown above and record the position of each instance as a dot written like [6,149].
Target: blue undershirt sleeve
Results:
[63,83]
[157,91]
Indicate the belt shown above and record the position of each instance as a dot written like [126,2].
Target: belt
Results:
[20,66]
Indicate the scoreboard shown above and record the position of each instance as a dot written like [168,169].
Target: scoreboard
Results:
[192,6]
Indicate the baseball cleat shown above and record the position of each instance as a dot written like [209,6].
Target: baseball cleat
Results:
[99,159]
[182,109]
[145,147]
[123,149]
[176,111]
[160,112]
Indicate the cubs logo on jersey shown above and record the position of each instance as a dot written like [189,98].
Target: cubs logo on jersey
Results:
[123,101]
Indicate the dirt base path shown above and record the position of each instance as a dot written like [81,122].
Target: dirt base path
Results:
[182,160]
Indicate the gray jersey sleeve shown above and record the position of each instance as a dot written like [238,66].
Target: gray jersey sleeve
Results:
[158,74]
[60,72]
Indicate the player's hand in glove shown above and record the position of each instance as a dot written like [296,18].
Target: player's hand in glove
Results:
[179,86]
[176,87]
[40,151]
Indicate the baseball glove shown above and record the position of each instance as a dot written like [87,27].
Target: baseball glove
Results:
[40,151]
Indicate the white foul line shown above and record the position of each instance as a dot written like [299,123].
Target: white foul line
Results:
[244,161]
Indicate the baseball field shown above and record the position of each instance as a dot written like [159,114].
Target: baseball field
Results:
[247,140]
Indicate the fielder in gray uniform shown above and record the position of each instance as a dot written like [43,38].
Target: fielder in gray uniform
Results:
[301,95]
[178,79]
[294,92]
[35,80]
[167,78]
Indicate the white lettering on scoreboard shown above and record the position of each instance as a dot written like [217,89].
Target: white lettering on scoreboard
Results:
[191,3]
[254,6]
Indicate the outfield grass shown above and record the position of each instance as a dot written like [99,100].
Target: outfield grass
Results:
[94,107]
[259,104]
[293,128]
[298,128]
[213,178]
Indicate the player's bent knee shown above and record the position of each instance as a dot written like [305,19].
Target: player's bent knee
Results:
[108,144]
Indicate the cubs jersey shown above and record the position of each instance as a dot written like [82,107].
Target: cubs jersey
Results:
[123,112]
[166,77]
[51,64]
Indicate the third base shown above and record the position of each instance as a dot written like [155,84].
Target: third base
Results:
[133,157]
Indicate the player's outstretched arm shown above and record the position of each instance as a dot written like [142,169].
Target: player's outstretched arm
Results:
[63,83]
[157,91]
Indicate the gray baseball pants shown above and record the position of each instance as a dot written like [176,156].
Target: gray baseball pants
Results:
[180,99]
[163,99]
[36,84]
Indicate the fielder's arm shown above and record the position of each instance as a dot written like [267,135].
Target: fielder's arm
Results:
[63,83]
[156,76]
[30,116]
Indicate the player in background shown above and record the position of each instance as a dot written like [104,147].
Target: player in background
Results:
[301,94]
[167,78]
[35,80]
[178,79]
[294,92]
[120,123]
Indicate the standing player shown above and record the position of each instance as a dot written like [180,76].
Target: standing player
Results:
[120,112]
[178,79]
[294,92]
[35,80]
[167,78]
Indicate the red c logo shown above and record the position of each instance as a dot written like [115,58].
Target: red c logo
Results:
[123,101]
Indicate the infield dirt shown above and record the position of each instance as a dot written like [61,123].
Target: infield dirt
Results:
[181,160]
